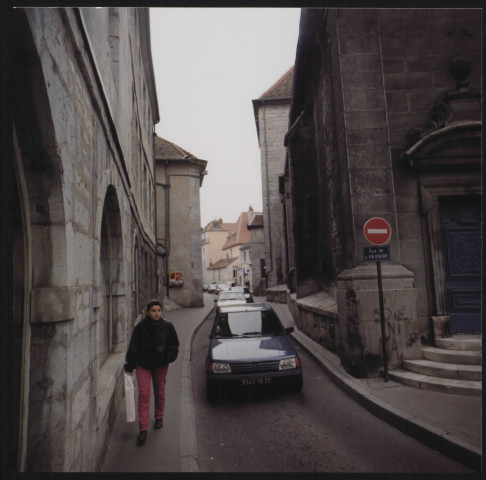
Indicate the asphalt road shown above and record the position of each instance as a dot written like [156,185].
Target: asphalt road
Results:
[319,429]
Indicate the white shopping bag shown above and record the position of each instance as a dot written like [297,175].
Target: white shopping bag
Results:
[129,397]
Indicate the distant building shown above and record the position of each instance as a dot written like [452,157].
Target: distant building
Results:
[272,116]
[223,271]
[229,250]
[213,237]
[179,176]
[255,261]
[84,108]
[237,237]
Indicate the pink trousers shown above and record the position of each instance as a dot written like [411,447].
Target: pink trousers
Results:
[157,377]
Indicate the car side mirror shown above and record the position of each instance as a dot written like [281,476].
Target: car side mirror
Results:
[289,329]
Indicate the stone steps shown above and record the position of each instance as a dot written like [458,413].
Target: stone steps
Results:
[444,370]
[452,366]
[445,385]
[452,356]
[460,342]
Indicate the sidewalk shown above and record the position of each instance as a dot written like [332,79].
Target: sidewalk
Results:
[174,448]
[448,423]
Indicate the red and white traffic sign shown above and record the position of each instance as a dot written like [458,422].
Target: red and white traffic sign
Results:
[377,231]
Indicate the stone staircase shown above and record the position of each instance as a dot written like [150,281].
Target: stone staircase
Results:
[452,366]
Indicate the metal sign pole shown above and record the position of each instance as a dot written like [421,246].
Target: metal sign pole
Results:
[382,321]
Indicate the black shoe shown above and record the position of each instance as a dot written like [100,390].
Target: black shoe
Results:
[142,436]
[159,423]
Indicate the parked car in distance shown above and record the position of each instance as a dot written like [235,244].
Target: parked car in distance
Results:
[212,288]
[230,298]
[205,287]
[249,346]
[222,287]
[245,291]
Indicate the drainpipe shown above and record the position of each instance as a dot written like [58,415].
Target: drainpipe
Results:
[167,226]
[269,268]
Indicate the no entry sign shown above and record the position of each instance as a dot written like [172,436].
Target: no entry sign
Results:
[377,231]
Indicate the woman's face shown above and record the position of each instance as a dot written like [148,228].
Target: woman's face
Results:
[155,312]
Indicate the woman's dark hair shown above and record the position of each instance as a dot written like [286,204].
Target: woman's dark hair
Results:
[152,303]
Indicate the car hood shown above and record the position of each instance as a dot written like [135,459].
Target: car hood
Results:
[251,349]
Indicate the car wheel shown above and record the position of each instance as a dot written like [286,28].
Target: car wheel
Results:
[296,384]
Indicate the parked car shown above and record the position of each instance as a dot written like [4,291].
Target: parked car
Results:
[205,287]
[222,287]
[212,288]
[250,346]
[230,298]
[245,291]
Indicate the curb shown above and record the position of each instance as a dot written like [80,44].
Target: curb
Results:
[188,436]
[434,437]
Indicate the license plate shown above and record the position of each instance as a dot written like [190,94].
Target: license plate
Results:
[256,381]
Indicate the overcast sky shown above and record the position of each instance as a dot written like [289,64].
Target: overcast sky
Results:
[209,64]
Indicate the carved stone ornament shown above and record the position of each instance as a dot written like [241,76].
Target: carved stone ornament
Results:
[442,112]
[440,115]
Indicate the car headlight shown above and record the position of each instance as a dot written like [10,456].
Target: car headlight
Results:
[217,367]
[288,363]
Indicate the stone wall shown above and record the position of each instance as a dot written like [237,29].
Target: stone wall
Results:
[316,316]
[273,121]
[89,221]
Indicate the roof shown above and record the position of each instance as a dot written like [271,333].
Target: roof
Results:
[256,221]
[223,263]
[282,88]
[217,225]
[170,151]
[240,233]
[278,94]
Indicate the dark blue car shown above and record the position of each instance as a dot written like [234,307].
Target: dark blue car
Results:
[250,346]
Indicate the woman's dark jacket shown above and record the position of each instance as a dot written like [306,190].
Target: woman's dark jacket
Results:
[154,344]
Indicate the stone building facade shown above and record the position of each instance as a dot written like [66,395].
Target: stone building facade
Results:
[179,176]
[213,237]
[256,253]
[239,236]
[271,117]
[385,121]
[84,109]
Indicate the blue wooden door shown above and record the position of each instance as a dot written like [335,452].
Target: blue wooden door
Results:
[460,218]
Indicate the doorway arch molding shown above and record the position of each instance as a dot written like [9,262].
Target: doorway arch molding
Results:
[447,163]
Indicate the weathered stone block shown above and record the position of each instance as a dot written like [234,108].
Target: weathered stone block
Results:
[56,304]
[359,317]
[363,99]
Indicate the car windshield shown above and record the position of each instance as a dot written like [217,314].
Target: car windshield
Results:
[231,296]
[248,324]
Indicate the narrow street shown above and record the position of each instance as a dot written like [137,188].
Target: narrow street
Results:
[320,429]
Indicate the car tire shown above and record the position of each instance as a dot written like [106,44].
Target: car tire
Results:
[296,384]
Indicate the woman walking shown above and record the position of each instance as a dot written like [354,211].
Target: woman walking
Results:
[153,345]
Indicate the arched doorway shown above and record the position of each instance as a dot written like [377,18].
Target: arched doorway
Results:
[448,166]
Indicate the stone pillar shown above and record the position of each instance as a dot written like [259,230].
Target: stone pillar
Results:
[359,318]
